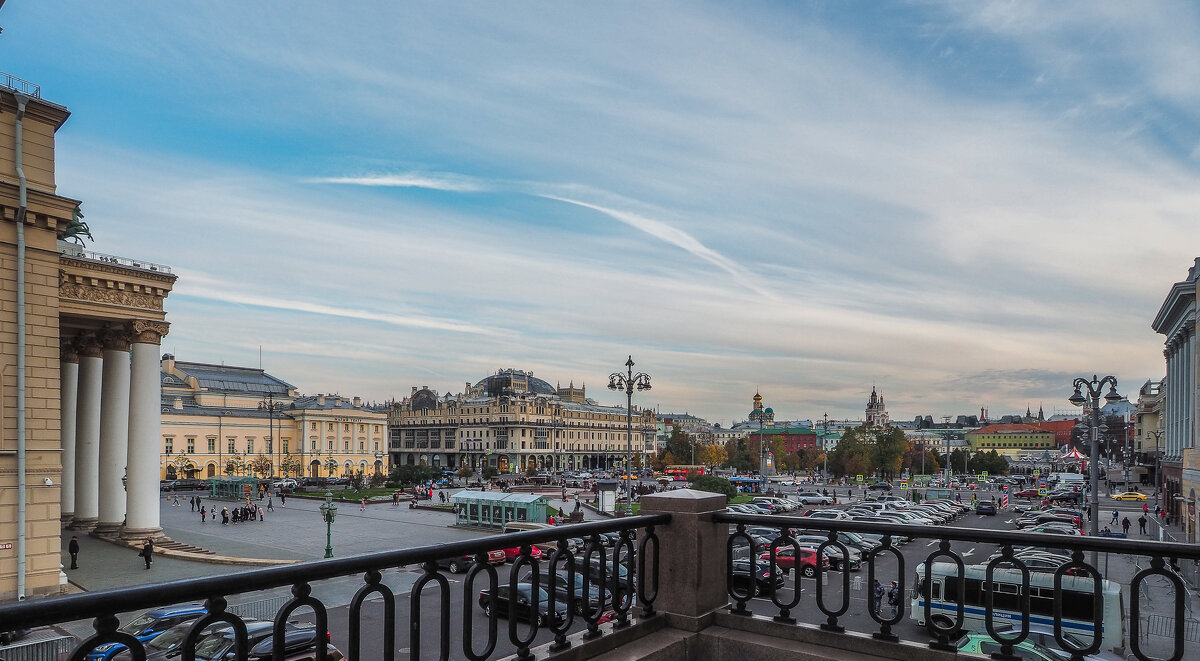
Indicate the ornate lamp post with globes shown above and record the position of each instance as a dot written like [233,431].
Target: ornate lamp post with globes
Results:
[271,407]
[328,513]
[627,382]
[1093,397]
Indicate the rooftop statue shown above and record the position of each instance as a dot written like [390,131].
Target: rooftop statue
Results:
[76,229]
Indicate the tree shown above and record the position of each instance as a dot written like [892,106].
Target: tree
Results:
[530,470]
[490,472]
[465,471]
[855,453]
[809,458]
[890,447]
[183,465]
[679,445]
[990,462]
[714,484]
[713,455]
[356,480]
[261,465]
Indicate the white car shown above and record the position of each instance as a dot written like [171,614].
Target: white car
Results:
[834,515]
[813,498]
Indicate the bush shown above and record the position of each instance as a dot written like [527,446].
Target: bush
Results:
[489,472]
[714,484]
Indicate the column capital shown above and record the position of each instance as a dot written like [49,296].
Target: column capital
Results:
[67,352]
[146,331]
[89,346]
[115,338]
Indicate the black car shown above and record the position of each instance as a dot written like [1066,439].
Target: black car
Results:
[593,570]
[880,486]
[522,606]
[986,507]
[557,584]
[764,582]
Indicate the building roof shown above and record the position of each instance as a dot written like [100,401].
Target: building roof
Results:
[496,496]
[1011,429]
[227,379]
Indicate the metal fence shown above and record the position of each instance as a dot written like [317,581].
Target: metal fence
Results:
[634,560]
[973,591]
[42,649]
[1161,625]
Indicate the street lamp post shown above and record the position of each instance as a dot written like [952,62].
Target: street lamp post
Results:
[328,513]
[1157,482]
[271,407]
[825,448]
[627,382]
[1093,396]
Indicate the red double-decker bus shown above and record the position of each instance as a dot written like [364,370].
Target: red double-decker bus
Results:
[681,472]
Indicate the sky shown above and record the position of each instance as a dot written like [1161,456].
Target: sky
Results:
[963,204]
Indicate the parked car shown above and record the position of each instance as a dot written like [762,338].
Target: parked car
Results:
[986,507]
[510,554]
[165,644]
[150,624]
[836,561]
[592,567]
[1027,650]
[1026,493]
[520,605]
[259,636]
[764,582]
[813,498]
[461,563]
[787,559]
[832,515]
[558,585]
[880,486]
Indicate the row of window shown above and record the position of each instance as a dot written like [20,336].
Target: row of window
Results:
[268,446]
[345,427]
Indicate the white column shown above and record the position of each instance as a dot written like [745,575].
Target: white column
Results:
[87,440]
[68,393]
[114,435]
[145,433]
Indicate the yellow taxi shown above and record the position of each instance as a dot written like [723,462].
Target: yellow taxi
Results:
[1129,495]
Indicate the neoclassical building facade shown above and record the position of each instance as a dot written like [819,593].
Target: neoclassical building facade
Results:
[227,420]
[512,420]
[1176,322]
[79,345]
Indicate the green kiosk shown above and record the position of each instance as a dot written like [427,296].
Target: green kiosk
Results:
[493,509]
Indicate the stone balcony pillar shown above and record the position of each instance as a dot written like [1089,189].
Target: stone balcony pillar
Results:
[145,431]
[69,380]
[692,556]
[87,438]
[114,433]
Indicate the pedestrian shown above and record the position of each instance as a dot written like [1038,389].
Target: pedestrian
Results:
[73,549]
[894,597]
[192,500]
[282,499]
[877,593]
[1145,509]
[395,499]
[1125,524]
[224,516]
[174,503]
[148,552]
[237,513]
[262,516]
[1114,519]
[1142,523]
[271,504]
[203,514]
[362,505]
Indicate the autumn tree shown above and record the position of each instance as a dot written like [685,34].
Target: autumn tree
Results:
[713,455]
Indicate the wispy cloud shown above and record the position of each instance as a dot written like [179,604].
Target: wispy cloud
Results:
[433,181]
[677,238]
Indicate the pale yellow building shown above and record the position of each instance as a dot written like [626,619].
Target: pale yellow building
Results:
[513,421]
[225,420]
[79,345]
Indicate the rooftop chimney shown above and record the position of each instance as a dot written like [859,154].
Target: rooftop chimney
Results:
[321,400]
[357,401]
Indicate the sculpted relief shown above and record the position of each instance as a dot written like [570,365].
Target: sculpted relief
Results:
[110,296]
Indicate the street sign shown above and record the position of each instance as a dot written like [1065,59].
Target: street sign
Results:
[903,484]
[858,478]
[1042,492]
[1037,472]
[983,474]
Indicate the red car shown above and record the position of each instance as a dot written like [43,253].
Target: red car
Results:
[1028,493]
[786,560]
[511,554]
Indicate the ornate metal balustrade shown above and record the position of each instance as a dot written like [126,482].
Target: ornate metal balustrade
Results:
[945,627]
[637,552]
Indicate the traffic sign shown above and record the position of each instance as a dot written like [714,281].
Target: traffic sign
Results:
[1037,472]
[903,484]
[983,474]
[859,478]
[1041,492]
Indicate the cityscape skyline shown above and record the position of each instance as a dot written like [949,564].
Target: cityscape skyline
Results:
[966,206]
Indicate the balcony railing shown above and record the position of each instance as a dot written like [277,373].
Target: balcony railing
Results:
[636,553]
[77,252]
[18,85]
[998,593]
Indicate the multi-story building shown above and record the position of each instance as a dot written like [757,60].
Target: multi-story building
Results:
[877,415]
[1148,425]
[1176,320]
[79,341]
[225,420]
[513,421]
[1011,439]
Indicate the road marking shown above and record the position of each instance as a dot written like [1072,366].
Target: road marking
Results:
[1009,521]
[932,543]
[969,552]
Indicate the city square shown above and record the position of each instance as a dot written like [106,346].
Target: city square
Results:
[574,332]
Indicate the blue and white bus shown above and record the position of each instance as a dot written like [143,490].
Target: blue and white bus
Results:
[1077,603]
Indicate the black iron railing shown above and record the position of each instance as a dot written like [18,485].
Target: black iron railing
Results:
[635,552]
[990,597]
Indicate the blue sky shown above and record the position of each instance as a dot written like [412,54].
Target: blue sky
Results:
[965,204]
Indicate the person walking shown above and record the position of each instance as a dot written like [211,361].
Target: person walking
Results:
[282,499]
[1142,523]
[203,514]
[1145,508]
[1114,519]
[192,500]
[1125,524]
[224,516]
[262,516]
[877,595]
[73,549]
[894,597]
[148,552]
[271,504]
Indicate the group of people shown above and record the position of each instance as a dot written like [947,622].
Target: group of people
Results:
[1144,519]
[893,597]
